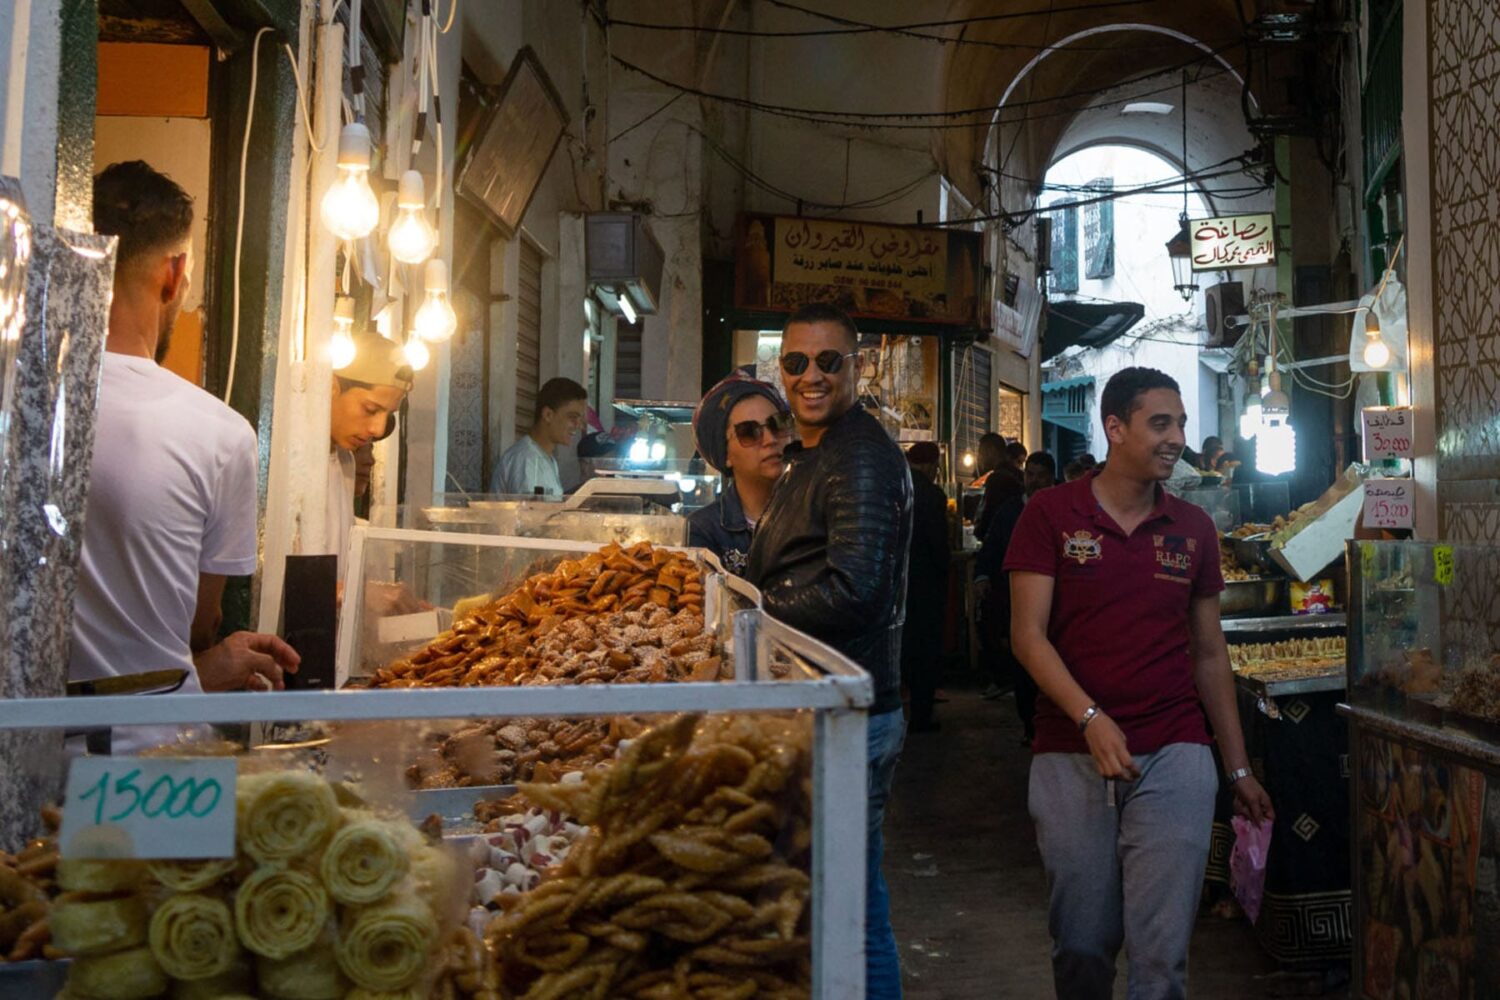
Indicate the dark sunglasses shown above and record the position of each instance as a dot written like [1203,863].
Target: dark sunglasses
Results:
[829,361]
[747,432]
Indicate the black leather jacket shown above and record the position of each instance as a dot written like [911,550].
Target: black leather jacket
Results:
[830,551]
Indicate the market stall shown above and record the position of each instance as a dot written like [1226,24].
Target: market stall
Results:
[1424,721]
[636,779]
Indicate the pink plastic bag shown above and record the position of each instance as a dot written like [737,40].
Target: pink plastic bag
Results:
[1247,864]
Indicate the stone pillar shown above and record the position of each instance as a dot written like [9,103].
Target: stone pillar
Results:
[48,446]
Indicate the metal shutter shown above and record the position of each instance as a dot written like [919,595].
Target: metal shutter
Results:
[975,411]
[627,360]
[528,334]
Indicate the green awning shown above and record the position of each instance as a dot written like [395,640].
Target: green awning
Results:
[1087,324]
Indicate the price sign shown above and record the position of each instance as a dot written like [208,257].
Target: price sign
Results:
[1442,564]
[131,807]
[1390,503]
[1388,432]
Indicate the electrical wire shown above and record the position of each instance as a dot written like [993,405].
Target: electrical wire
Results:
[239,225]
[631,128]
[835,116]
[452,13]
[302,99]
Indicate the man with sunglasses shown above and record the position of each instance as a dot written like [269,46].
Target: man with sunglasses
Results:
[830,558]
[742,429]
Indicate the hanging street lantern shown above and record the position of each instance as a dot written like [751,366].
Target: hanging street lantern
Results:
[1180,252]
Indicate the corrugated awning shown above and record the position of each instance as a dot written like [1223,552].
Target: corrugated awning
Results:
[1087,324]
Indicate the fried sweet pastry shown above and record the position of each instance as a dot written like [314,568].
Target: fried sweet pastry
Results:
[505,751]
[386,947]
[615,616]
[364,860]
[311,974]
[192,937]
[124,975]
[98,926]
[280,912]
[691,880]
[190,876]
[237,981]
[89,875]
[284,815]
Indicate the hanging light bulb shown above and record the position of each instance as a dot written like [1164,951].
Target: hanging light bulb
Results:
[417,354]
[412,238]
[968,460]
[1250,419]
[640,450]
[341,342]
[1276,444]
[658,450]
[349,208]
[1377,355]
[435,320]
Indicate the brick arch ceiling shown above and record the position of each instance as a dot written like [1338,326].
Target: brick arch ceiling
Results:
[1105,51]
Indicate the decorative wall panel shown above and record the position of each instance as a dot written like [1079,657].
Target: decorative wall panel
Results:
[1463,40]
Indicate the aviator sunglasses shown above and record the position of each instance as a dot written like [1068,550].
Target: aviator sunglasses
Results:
[747,432]
[829,361]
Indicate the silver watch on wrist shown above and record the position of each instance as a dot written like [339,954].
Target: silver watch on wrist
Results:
[1087,717]
[1239,775]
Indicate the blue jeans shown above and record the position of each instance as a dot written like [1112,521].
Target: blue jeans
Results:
[886,734]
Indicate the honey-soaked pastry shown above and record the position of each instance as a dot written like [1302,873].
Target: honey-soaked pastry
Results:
[364,860]
[387,947]
[284,815]
[192,937]
[434,879]
[311,974]
[83,927]
[190,876]
[280,912]
[99,875]
[122,975]
[237,981]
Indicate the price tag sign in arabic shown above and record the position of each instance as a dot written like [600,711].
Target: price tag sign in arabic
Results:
[129,807]
[1442,564]
[1388,432]
[1390,503]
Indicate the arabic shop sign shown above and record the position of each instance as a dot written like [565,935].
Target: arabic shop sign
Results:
[871,270]
[1232,242]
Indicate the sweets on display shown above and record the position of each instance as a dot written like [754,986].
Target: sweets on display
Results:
[505,751]
[614,616]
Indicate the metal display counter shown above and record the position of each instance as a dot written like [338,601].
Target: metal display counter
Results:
[1297,745]
[1424,737]
[777,670]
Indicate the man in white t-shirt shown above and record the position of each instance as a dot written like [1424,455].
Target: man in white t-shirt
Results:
[172,490]
[529,465]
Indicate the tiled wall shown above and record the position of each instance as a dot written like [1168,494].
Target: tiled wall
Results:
[1463,41]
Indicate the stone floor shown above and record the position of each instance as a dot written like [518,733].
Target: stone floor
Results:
[968,894]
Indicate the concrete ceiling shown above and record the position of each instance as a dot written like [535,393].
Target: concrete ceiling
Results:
[1071,52]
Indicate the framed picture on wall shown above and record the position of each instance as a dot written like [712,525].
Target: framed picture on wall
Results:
[514,143]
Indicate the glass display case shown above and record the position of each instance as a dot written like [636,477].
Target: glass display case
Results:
[624,520]
[694,827]
[1424,714]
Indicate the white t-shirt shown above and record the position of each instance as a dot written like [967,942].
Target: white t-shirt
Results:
[172,494]
[524,467]
[340,519]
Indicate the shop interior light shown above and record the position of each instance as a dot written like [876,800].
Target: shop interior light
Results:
[417,354]
[436,321]
[1377,355]
[627,309]
[640,450]
[968,460]
[412,238]
[341,343]
[1276,444]
[658,448]
[349,207]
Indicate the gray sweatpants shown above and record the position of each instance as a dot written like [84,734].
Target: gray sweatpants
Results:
[1124,864]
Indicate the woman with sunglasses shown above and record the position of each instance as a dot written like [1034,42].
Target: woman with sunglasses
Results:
[742,428]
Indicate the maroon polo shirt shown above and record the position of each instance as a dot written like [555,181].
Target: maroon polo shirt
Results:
[1120,610]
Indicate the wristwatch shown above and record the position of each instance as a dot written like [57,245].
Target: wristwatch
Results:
[1239,775]
[1088,716]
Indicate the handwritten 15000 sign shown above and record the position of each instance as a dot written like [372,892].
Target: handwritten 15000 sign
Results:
[125,807]
[1234,241]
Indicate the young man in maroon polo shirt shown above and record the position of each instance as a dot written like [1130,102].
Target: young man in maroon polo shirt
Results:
[1115,613]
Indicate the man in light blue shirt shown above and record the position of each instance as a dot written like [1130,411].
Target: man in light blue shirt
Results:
[528,466]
